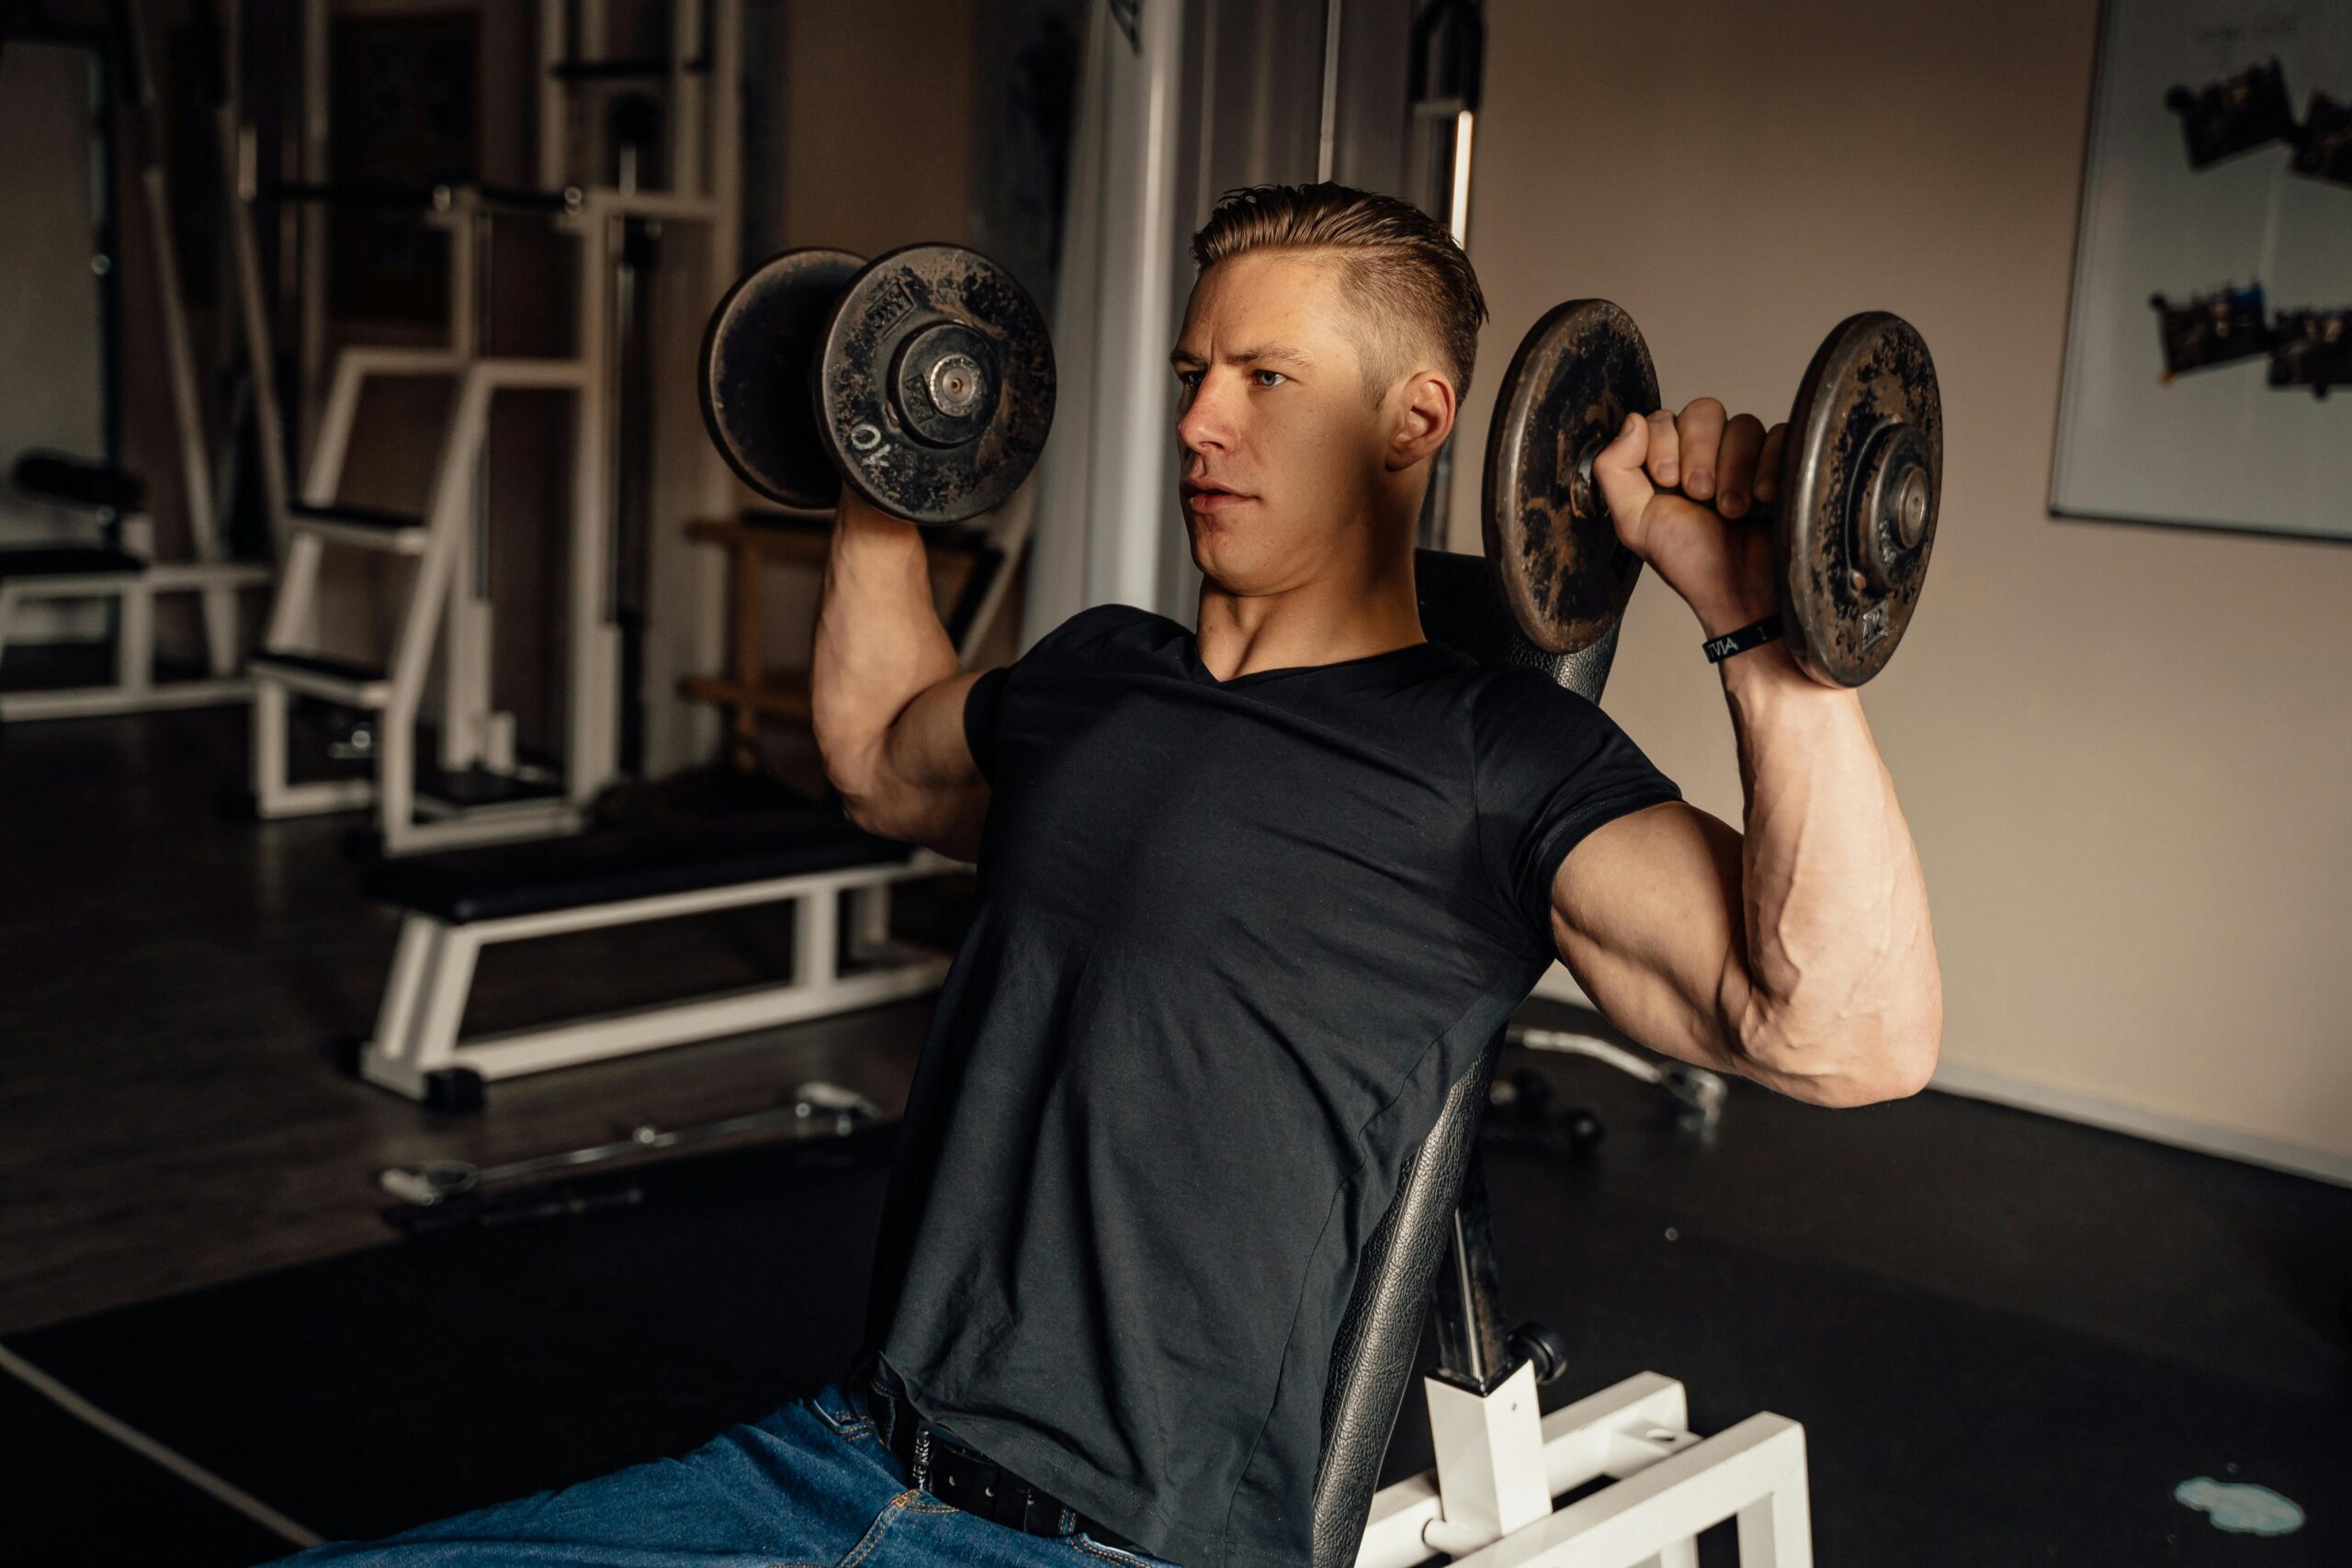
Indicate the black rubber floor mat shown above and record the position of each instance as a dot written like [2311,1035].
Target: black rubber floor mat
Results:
[78,1496]
[367,1393]
[374,1391]
[1938,1432]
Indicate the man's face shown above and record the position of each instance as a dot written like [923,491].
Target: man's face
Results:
[1284,443]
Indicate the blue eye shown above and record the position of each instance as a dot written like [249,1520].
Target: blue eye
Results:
[1278,378]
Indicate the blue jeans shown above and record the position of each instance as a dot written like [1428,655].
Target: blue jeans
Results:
[810,1486]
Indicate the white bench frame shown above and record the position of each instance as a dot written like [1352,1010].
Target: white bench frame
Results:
[134,688]
[1488,1501]
[433,968]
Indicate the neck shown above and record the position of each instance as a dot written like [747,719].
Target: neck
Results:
[1362,604]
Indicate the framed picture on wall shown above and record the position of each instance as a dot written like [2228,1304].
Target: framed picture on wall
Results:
[2208,376]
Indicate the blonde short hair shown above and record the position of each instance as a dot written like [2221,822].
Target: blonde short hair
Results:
[1397,263]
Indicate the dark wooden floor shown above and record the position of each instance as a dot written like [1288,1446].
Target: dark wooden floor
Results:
[171,976]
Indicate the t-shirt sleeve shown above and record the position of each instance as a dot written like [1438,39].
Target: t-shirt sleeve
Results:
[1071,642]
[1551,768]
[982,706]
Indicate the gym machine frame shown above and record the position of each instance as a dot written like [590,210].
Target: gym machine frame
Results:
[448,594]
[135,580]
[1500,1462]
[447,599]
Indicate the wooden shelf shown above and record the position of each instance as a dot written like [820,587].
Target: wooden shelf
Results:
[787,544]
[750,691]
[781,692]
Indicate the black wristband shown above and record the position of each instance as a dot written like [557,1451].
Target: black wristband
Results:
[1721,647]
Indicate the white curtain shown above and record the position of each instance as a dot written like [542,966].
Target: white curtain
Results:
[1106,474]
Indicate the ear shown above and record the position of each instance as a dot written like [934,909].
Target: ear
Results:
[1424,405]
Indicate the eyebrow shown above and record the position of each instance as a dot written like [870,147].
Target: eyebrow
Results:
[1263,354]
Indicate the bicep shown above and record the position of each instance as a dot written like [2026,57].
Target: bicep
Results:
[928,787]
[1646,914]
[928,748]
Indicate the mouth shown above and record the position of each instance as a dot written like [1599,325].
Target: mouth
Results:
[1202,495]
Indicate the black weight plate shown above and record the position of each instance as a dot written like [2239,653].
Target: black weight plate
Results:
[754,376]
[935,384]
[1848,596]
[1550,541]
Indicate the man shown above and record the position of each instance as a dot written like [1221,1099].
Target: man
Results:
[1250,899]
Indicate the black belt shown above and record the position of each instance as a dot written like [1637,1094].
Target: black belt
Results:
[957,1473]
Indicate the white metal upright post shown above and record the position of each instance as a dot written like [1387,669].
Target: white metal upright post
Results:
[466,628]
[219,604]
[686,76]
[553,103]
[593,742]
[710,490]
[1126,483]
[1489,1452]
[239,171]
[312,293]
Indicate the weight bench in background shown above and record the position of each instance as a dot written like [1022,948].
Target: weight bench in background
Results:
[120,569]
[1500,1464]
[836,877]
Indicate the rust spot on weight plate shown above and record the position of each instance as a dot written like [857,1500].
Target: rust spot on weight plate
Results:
[1551,542]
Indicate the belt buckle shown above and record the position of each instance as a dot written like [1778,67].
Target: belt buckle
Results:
[921,1469]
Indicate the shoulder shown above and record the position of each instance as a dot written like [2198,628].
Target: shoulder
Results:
[1531,736]
[1507,702]
[1101,627]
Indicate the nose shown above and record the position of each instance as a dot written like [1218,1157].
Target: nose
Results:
[1205,426]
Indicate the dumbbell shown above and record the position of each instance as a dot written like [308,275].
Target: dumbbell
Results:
[923,379]
[1854,521]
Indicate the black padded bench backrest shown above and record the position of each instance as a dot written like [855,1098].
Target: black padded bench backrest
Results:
[1373,1358]
[68,561]
[1460,609]
[73,481]
[459,886]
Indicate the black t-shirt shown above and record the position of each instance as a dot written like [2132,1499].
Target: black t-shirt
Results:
[1233,942]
